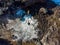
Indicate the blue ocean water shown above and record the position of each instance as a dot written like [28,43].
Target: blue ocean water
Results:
[20,13]
[57,2]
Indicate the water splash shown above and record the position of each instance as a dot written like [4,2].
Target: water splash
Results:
[25,30]
[25,17]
